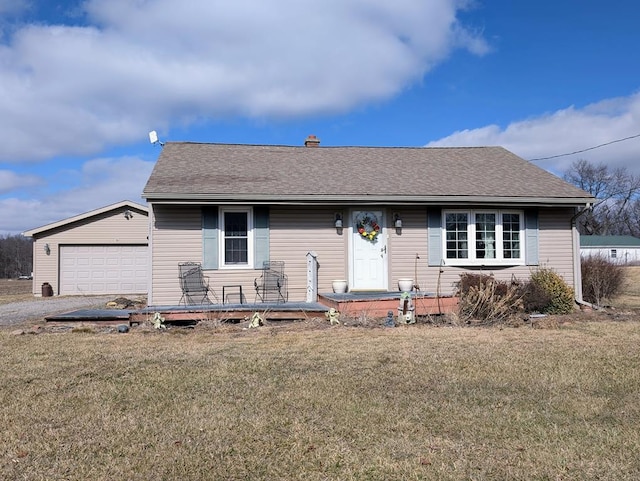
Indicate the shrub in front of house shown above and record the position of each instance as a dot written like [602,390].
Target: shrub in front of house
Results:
[535,297]
[548,293]
[602,279]
[486,300]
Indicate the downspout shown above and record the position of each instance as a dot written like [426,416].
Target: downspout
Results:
[150,225]
[577,268]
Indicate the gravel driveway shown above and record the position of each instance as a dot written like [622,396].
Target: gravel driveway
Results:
[41,307]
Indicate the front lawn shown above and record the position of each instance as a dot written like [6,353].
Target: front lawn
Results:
[285,402]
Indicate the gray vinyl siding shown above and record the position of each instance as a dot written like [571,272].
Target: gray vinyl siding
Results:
[556,246]
[108,228]
[298,231]
[295,231]
[404,247]
[176,236]
[45,267]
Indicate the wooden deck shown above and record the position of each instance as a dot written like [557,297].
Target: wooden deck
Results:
[232,312]
[378,304]
[353,304]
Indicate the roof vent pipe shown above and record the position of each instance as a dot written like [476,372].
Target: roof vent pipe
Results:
[312,141]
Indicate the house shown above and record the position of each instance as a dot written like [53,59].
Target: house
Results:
[368,215]
[104,251]
[623,249]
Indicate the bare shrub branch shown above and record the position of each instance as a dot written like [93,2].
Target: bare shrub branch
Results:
[601,279]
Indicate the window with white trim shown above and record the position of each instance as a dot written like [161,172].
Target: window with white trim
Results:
[483,237]
[236,234]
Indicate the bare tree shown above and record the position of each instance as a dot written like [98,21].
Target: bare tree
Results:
[618,193]
[632,218]
[16,256]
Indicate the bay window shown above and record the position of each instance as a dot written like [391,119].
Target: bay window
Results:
[483,237]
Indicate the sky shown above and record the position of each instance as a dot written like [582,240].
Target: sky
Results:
[82,83]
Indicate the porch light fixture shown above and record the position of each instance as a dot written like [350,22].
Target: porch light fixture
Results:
[128,214]
[397,223]
[47,249]
[338,223]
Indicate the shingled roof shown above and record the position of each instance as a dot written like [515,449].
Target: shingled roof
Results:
[193,172]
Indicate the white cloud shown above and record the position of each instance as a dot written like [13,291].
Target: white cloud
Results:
[566,131]
[10,181]
[108,180]
[138,65]
[101,182]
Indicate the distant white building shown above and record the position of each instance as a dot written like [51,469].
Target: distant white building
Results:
[623,249]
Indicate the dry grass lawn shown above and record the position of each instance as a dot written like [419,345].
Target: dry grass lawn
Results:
[630,298]
[12,290]
[305,401]
[285,402]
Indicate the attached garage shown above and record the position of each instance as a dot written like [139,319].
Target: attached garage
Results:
[104,251]
[103,269]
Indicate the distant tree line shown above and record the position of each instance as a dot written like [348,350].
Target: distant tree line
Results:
[16,256]
[617,211]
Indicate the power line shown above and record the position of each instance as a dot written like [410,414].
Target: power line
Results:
[585,150]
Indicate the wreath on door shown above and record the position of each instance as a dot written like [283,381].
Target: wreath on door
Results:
[367,226]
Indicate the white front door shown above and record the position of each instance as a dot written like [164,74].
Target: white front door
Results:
[368,269]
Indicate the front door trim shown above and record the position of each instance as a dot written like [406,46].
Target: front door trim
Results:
[368,261]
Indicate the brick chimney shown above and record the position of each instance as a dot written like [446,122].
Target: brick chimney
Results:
[312,141]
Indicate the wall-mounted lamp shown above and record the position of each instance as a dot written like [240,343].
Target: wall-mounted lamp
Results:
[128,214]
[47,249]
[338,223]
[397,223]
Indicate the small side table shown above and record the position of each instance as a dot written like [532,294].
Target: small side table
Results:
[234,286]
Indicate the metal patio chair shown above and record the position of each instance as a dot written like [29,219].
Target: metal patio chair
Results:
[272,286]
[194,285]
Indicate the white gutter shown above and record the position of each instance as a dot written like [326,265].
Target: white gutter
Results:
[363,200]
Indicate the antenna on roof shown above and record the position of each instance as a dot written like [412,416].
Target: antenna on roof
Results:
[153,138]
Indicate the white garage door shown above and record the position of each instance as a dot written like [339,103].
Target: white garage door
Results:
[103,269]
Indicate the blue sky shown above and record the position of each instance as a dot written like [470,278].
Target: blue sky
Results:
[83,82]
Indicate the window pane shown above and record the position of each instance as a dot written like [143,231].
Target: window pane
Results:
[485,236]
[457,235]
[235,224]
[511,236]
[235,251]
